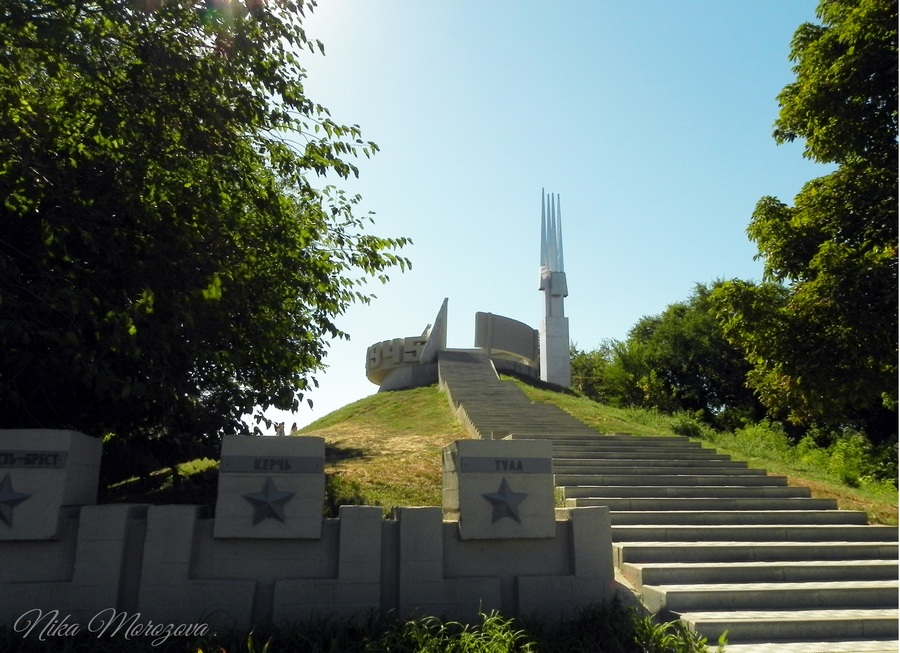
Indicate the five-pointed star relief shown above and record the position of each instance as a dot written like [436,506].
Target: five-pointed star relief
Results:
[9,499]
[505,502]
[268,502]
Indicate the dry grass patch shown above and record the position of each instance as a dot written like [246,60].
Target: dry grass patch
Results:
[385,450]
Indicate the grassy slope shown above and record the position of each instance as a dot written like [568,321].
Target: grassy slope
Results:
[385,450]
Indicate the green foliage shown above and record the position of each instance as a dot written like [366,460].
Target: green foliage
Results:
[848,457]
[608,628]
[615,628]
[166,265]
[764,439]
[676,361]
[821,332]
[495,634]
[340,491]
[670,637]
[604,374]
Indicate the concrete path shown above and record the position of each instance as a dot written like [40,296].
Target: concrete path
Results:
[703,538]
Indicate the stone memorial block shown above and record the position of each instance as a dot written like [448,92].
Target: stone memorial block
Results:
[42,471]
[500,489]
[270,487]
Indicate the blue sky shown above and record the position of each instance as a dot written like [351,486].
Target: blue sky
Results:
[651,118]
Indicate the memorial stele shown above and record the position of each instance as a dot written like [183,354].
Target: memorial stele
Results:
[512,346]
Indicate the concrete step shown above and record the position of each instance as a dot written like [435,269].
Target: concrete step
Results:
[750,551]
[647,444]
[798,571]
[601,439]
[794,625]
[731,478]
[712,504]
[734,517]
[698,491]
[819,595]
[755,533]
[668,488]
[655,461]
[871,646]
[639,456]
[662,469]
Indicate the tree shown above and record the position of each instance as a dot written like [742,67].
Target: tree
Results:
[688,365]
[166,265]
[678,360]
[821,330]
[604,374]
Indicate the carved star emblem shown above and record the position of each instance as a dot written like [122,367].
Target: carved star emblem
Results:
[505,502]
[9,499]
[268,502]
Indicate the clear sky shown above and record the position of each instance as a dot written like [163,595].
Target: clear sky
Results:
[651,118]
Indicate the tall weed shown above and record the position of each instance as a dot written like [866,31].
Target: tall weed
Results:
[764,440]
[846,456]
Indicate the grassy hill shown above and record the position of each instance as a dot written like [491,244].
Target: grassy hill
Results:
[385,450]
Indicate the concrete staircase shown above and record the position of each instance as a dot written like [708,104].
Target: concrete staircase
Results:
[703,538]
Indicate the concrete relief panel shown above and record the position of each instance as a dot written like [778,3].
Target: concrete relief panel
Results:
[42,471]
[499,489]
[384,357]
[271,487]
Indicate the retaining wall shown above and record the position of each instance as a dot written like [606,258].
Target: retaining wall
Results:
[168,564]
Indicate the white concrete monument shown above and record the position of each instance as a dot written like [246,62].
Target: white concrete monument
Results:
[42,472]
[409,362]
[499,489]
[554,331]
[271,487]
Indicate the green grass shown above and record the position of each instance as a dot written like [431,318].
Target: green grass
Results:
[370,442]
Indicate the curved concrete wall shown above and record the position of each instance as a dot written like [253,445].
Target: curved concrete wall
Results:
[504,337]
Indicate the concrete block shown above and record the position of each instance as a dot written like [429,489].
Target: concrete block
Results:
[500,489]
[168,546]
[41,471]
[456,599]
[559,597]
[545,596]
[304,599]
[270,487]
[103,570]
[360,545]
[265,560]
[168,591]
[592,542]
[95,581]
[421,551]
[33,571]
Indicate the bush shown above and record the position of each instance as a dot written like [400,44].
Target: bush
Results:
[764,439]
[341,491]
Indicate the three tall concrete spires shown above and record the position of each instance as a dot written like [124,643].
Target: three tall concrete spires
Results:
[553,334]
[512,346]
